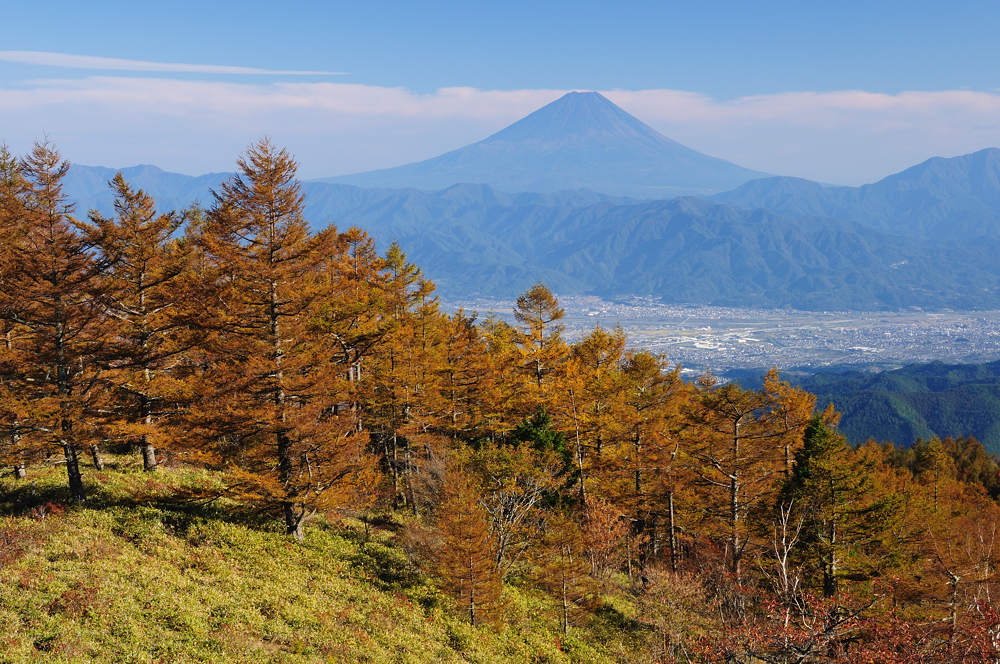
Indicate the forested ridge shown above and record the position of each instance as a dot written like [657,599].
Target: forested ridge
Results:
[474,471]
[920,401]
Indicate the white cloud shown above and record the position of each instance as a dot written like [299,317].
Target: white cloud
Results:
[847,137]
[68,61]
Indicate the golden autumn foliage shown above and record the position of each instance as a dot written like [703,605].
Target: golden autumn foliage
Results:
[314,375]
[466,553]
[269,397]
[57,335]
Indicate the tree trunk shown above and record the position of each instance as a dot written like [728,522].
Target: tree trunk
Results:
[397,499]
[73,473]
[148,451]
[148,456]
[642,553]
[830,576]
[953,582]
[472,591]
[565,606]
[638,469]
[293,521]
[409,479]
[734,516]
[579,453]
[628,556]
[673,533]
[95,453]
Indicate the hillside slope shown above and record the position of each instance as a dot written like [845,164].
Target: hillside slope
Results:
[477,240]
[918,401]
[684,250]
[137,576]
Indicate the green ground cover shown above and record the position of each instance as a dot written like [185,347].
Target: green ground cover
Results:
[139,575]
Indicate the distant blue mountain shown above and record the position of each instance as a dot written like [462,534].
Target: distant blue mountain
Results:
[88,186]
[955,199]
[581,140]
[471,241]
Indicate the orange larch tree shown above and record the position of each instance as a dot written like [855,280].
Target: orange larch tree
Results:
[466,557]
[50,291]
[563,567]
[147,305]
[271,394]
[737,449]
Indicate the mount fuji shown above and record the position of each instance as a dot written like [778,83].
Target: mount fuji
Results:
[579,141]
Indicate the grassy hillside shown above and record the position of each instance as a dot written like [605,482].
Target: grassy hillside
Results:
[136,577]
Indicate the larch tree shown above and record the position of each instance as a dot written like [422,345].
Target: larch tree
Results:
[791,411]
[510,400]
[651,482]
[13,229]
[563,566]
[605,532]
[736,447]
[598,358]
[147,305]
[400,377]
[542,348]
[51,293]
[465,380]
[466,557]
[269,408]
[963,547]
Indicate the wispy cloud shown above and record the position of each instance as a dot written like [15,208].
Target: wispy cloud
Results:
[68,61]
[846,137]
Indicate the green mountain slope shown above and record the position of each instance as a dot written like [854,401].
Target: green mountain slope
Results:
[918,401]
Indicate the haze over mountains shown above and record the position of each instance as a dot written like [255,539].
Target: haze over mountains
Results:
[927,237]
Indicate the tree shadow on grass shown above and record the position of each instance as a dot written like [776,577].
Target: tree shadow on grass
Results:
[382,562]
[179,505]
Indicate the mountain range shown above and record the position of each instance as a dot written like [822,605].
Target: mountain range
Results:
[939,199]
[927,237]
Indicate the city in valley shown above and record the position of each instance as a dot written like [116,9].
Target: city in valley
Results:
[701,338]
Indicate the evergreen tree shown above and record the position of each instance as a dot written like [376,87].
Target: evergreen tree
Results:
[835,491]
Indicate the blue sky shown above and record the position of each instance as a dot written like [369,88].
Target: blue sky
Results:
[842,92]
